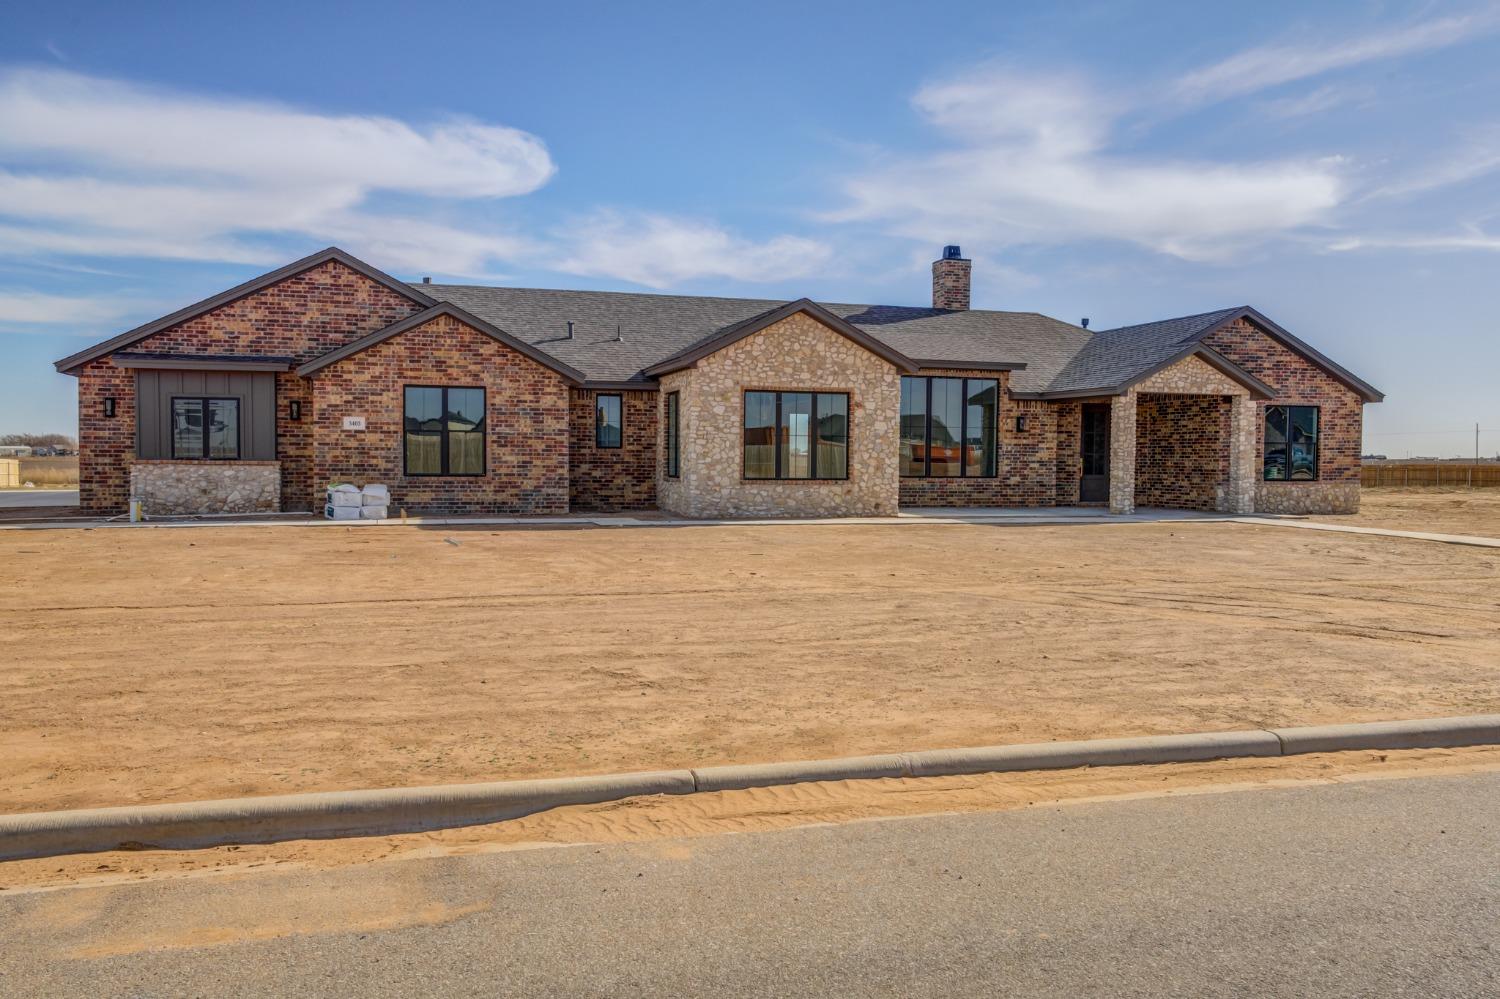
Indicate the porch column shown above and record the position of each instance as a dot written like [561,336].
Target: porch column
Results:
[1242,457]
[1122,453]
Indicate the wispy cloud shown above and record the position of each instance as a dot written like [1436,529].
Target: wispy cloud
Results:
[222,178]
[1466,239]
[1266,66]
[1317,101]
[37,308]
[660,250]
[1029,160]
[1477,155]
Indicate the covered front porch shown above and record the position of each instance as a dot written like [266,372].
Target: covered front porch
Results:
[1183,438]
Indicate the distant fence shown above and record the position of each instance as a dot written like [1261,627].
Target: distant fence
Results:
[1443,473]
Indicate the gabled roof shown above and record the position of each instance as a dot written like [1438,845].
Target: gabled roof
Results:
[571,374]
[67,364]
[1116,359]
[735,332]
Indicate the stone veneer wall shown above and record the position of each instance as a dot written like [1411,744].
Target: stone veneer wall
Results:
[1027,462]
[526,415]
[302,317]
[167,488]
[612,478]
[1299,382]
[796,354]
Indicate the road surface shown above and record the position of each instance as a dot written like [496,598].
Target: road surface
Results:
[1376,888]
[11,499]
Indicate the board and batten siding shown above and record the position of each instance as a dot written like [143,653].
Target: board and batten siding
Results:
[256,391]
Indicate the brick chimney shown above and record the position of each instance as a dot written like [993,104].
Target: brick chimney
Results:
[950,280]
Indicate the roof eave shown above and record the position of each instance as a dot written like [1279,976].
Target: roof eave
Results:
[69,364]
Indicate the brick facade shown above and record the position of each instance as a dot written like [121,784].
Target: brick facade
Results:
[1181,460]
[526,416]
[1299,382]
[302,317]
[617,478]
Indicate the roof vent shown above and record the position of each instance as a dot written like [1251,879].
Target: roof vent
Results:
[570,329]
[1084,322]
[619,337]
[952,253]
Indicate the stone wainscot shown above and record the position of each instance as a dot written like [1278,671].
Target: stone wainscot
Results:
[173,488]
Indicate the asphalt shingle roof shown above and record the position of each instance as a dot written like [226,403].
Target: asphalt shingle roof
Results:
[1114,357]
[653,328]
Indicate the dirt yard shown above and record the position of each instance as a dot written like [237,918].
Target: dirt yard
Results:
[1445,511]
[171,665]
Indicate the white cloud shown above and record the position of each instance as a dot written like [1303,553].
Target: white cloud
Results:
[659,251]
[1271,65]
[103,167]
[1028,162]
[1473,239]
[1476,156]
[37,308]
[1317,101]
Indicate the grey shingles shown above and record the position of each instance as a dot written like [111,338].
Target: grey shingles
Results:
[653,328]
[1114,357]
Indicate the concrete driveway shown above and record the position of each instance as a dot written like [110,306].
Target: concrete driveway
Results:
[16,499]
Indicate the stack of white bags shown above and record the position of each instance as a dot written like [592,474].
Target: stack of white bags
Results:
[349,502]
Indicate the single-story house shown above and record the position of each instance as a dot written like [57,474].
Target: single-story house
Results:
[484,400]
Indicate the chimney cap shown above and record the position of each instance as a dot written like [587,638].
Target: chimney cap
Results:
[952,253]
[427,280]
[1085,323]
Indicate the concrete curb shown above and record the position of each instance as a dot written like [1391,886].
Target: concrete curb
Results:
[403,810]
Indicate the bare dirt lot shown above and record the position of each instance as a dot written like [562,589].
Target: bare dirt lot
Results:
[170,665]
[1445,511]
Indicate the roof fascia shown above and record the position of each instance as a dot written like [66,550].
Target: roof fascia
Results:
[67,364]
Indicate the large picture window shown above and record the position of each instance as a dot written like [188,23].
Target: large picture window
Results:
[948,427]
[608,421]
[1291,444]
[796,435]
[444,429]
[674,440]
[205,429]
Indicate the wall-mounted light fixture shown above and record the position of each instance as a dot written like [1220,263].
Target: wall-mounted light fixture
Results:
[109,407]
[294,410]
[1021,424]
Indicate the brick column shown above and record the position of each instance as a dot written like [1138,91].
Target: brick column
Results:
[1242,456]
[1122,453]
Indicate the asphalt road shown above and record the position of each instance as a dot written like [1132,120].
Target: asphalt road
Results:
[1378,888]
[13,499]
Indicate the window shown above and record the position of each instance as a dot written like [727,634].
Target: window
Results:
[206,429]
[948,427]
[444,431]
[796,435]
[674,442]
[608,429]
[1291,444]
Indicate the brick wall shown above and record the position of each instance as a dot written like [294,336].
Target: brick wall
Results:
[1299,382]
[526,412]
[1182,453]
[303,316]
[622,478]
[1028,460]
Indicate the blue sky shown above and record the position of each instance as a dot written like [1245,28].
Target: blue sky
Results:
[1335,165]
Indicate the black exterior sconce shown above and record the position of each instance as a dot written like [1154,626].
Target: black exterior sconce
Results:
[294,410]
[1020,424]
[109,407]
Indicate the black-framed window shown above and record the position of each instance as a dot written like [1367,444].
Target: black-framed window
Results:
[674,438]
[444,430]
[205,428]
[609,427]
[948,427]
[796,435]
[1291,444]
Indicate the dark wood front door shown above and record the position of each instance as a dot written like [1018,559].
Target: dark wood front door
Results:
[1094,441]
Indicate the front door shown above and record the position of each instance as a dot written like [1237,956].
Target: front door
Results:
[1094,441]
